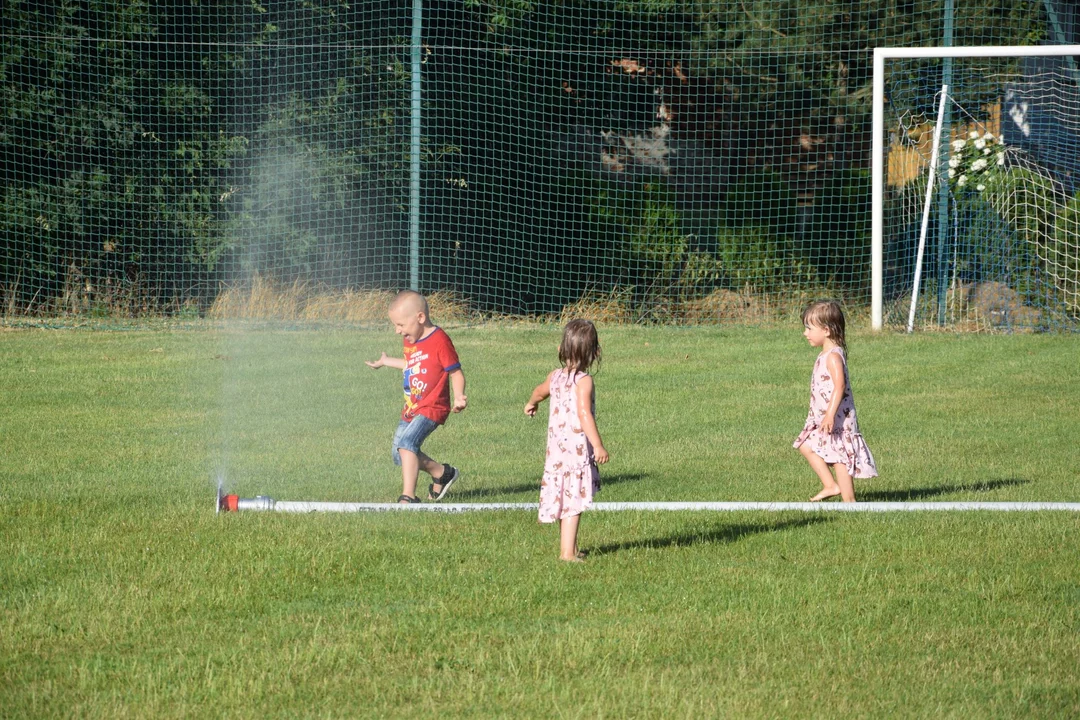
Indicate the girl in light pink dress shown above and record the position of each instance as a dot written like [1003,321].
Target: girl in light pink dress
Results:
[830,441]
[574,448]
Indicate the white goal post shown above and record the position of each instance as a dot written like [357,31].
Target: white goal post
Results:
[878,145]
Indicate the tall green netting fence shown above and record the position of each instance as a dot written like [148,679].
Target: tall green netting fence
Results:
[694,162]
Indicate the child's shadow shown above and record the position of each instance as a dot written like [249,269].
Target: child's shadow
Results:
[928,492]
[534,487]
[722,535]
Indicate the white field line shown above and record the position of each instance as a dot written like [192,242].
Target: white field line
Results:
[307,507]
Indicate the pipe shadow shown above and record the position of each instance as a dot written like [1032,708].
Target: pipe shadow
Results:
[722,535]
[534,488]
[928,492]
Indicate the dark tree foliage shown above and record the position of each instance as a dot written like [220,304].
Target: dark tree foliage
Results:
[153,150]
[111,155]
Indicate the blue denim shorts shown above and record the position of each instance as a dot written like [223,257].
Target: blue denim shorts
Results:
[411,435]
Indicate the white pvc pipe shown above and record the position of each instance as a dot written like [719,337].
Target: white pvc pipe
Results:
[935,147]
[877,200]
[341,507]
[979,51]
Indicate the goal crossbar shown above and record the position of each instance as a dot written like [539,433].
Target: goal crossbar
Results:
[882,54]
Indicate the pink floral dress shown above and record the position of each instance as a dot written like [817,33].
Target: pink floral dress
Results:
[570,474]
[845,445]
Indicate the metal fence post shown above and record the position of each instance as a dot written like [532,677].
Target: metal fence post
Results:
[414,148]
[943,188]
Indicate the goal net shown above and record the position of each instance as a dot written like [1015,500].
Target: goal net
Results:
[1000,228]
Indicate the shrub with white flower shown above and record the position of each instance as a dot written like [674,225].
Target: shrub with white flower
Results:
[975,161]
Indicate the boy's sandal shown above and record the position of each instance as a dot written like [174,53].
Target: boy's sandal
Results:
[408,499]
[450,474]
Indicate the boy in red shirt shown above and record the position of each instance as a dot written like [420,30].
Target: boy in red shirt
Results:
[430,368]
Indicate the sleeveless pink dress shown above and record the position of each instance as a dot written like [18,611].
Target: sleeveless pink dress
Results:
[570,474]
[845,445]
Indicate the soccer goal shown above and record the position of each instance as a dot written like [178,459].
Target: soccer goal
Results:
[990,237]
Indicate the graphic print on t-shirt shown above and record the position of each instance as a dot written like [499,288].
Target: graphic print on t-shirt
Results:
[414,378]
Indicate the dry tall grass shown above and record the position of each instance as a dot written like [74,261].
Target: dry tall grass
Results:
[988,307]
[727,306]
[262,299]
[746,306]
[614,307]
[970,308]
[123,298]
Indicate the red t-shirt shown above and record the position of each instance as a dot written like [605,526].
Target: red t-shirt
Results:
[428,364]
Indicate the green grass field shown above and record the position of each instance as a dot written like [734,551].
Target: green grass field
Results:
[122,594]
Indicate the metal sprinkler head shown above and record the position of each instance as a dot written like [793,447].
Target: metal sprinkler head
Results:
[235,503]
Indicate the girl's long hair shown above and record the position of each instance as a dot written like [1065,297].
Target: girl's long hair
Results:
[580,346]
[829,315]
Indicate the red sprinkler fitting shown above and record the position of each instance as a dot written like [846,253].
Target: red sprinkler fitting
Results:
[235,503]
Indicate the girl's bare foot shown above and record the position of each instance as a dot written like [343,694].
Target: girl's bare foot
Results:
[576,558]
[825,494]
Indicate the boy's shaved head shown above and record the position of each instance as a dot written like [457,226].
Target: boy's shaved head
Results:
[409,313]
[411,302]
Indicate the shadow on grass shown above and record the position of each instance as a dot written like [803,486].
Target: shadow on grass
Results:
[721,535]
[928,492]
[534,488]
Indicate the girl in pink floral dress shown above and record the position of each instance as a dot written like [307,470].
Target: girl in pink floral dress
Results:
[574,448]
[830,440]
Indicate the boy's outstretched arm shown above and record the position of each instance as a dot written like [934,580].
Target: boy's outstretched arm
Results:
[539,395]
[457,383]
[398,363]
